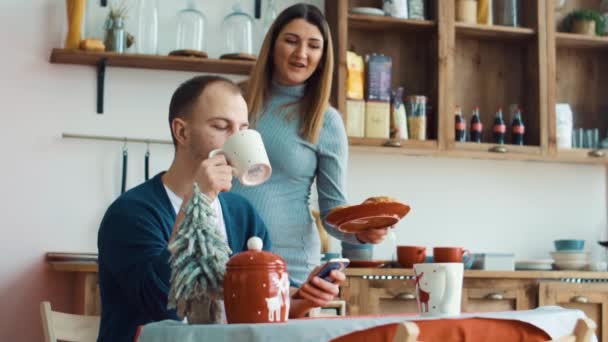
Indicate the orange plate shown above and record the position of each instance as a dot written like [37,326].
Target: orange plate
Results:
[365,216]
[366,263]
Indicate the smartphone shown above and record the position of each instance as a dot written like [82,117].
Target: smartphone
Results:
[333,264]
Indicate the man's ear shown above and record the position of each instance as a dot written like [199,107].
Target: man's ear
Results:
[180,131]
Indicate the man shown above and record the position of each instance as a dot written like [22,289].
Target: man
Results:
[134,272]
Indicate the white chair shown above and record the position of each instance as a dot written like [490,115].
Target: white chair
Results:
[68,327]
[407,332]
[334,308]
[583,332]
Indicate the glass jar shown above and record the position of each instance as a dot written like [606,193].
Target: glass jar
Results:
[146,41]
[238,31]
[416,117]
[416,9]
[506,12]
[115,36]
[604,11]
[191,28]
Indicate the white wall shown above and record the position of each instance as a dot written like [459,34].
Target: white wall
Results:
[55,191]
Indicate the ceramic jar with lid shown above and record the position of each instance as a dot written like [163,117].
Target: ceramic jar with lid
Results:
[256,286]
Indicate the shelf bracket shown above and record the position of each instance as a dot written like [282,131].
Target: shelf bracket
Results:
[257,9]
[101,75]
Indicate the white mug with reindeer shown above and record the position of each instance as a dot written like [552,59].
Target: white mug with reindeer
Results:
[439,288]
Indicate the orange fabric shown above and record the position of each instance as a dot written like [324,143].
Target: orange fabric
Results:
[138,332]
[456,330]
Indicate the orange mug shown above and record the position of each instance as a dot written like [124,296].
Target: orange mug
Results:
[451,254]
[407,256]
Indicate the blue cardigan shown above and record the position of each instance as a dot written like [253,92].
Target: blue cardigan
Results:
[134,272]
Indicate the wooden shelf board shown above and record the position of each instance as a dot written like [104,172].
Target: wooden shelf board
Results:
[371,22]
[74,266]
[580,155]
[467,150]
[571,40]
[63,56]
[484,274]
[485,147]
[494,32]
[408,147]
[428,144]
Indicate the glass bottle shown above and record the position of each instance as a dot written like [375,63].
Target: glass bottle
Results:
[517,129]
[237,27]
[191,28]
[146,41]
[499,129]
[460,125]
[476,130]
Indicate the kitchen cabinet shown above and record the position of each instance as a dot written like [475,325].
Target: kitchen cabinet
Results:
[577,67]
[468,65]
[592,298]
[495,294]
[380,296]
[391,291]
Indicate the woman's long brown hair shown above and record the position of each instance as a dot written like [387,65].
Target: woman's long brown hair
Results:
[318,87]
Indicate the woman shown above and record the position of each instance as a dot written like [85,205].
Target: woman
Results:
[287,96]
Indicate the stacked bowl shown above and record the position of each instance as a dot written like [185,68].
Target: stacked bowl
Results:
[569,255]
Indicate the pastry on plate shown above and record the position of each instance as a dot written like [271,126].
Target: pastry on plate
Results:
[340,207]
[380,199]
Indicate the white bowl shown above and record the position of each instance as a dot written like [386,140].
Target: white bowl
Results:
[540,265]
[570,256]
[572,265]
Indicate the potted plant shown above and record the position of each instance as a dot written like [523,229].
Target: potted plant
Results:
[198,262]
[584,21]
[116,38]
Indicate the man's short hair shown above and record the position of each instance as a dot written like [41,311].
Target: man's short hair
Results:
[186,95]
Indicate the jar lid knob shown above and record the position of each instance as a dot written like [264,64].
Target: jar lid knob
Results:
[255,243]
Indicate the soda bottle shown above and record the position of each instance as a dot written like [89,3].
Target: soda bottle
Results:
[460,125]
[476,127]
[517,129]
[499,129]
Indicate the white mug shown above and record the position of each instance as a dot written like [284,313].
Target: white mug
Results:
[439,288]
[245,152]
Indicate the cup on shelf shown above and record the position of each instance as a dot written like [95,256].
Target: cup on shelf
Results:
[451,254]
[407,256]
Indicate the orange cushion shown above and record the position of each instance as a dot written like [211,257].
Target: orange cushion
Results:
[453,330]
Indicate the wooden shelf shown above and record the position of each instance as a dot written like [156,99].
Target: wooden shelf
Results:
[494,32]
[381,143]
[370,22]
[63,56]
[505,149]
[74,266]
[430,148]
[571,40]
[582,155]
[354,272]
[408,147]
